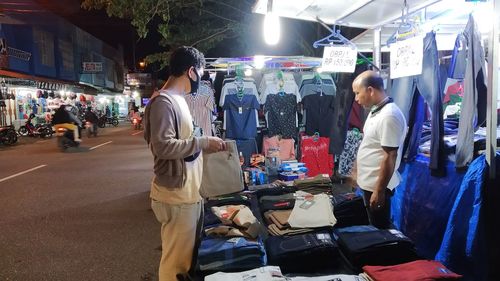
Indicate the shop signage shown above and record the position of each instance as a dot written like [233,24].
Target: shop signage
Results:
[91,67]
[339,59]
[406,57]
[136,79]
[49,86]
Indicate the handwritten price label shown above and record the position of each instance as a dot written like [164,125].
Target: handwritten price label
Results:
[406,57]
[339,59]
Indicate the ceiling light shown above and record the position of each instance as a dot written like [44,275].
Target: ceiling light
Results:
[271,26]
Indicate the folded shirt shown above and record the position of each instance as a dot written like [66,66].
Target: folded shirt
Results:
[315,212]
[419,270]
[226,231]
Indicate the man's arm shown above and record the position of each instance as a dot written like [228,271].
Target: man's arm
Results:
[164,141]
[386,171]
[164,138]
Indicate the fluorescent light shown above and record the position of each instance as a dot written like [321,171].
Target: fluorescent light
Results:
[248,72]
[271,29]
[259,61]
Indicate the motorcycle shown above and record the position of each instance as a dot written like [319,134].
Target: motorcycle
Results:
[42,130]
[136,123]
[8,135]
[103,120]
[65,139]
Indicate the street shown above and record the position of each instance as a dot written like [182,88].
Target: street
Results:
[78,216]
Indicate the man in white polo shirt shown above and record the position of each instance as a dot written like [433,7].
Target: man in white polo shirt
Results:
[380,151]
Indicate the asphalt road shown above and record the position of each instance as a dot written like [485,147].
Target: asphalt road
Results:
[78,216]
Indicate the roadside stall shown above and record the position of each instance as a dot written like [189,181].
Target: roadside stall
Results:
[295,119]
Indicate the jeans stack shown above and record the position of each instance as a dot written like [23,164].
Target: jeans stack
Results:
[368,245]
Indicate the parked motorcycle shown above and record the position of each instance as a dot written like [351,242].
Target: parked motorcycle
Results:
[65,139]
[42,130]
[103,120]
[8,135]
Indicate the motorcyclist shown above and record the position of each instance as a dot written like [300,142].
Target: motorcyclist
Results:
[91,117]
[137,116]
[63,118]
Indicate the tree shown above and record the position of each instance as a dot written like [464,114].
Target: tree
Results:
[199,23]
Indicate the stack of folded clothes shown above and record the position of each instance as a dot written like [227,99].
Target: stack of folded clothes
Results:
[315,185]
[368,245]
[231,236]
[419,270]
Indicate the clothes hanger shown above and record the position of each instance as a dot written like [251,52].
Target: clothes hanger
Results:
[406,28]
[334,38]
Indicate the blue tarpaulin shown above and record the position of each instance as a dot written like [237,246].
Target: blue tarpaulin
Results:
[464,244]
[422,204]
[445,216]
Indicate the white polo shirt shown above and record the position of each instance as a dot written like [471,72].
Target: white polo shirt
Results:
[386,127]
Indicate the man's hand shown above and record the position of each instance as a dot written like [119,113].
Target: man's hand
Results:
[215,144]
[377,200]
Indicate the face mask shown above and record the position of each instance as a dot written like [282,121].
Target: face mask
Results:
[195,84]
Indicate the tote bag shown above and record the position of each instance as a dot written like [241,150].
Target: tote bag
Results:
[222,172]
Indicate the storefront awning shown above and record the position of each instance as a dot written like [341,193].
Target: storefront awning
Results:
[366,14]
[68,84]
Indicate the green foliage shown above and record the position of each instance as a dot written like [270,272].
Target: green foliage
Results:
[199,23]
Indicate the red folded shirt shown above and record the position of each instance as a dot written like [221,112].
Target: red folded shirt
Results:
[420,270]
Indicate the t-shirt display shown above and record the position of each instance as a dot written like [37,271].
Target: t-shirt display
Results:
[320,113]
[281,112]
[240,113]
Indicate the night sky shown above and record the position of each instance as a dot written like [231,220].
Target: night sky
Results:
[117,32]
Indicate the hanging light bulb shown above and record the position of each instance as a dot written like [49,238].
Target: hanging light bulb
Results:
[271,26]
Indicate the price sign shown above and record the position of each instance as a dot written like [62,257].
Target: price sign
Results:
[91,67]
[339,59]
[406,57]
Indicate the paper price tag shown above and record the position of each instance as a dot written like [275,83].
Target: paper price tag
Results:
[339,59]
[306,204]
[406,57]
[240,110]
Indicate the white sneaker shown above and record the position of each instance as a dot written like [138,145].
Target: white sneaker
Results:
[78,140]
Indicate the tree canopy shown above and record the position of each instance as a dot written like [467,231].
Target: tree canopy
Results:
[198,23]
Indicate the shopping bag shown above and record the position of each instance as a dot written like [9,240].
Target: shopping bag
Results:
[222,172]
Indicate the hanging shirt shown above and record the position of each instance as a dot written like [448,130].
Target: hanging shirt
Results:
[320,113]
[312,89]
[286,147]
[281,112]
[240,116]
[273,88]
[201,105]
[231,88]
[314,153]
[348,156]
[269,78]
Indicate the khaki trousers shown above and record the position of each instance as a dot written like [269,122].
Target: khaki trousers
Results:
[180,235]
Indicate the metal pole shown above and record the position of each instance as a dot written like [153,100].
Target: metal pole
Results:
[377,59]
[491,100]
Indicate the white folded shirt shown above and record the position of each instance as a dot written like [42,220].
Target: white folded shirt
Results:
[305,215]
